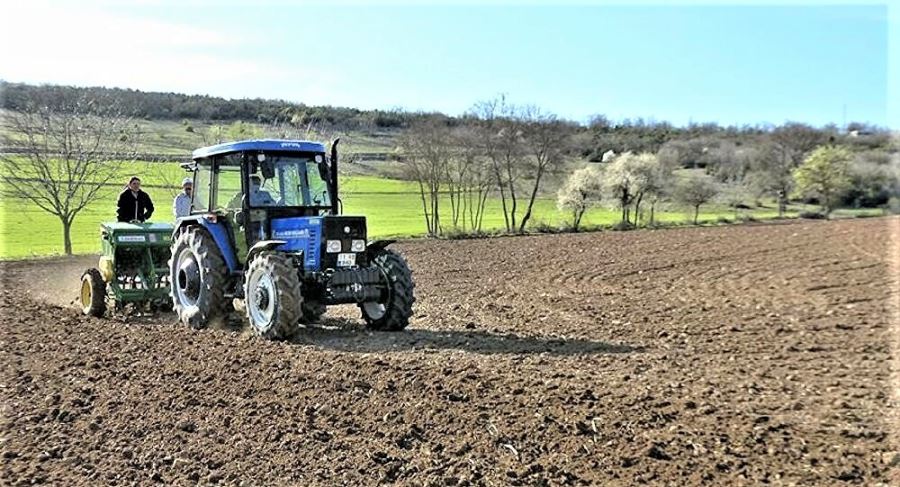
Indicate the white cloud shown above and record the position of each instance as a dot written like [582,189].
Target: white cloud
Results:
[68,44]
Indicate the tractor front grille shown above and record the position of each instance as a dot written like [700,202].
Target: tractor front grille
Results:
[345,229]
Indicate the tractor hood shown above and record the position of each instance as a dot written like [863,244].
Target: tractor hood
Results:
[310,234]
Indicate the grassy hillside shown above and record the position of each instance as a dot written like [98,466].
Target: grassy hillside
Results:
[180,138]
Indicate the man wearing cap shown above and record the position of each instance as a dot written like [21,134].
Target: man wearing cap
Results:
[182,205]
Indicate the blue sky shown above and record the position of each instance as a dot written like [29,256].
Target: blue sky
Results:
[729,64]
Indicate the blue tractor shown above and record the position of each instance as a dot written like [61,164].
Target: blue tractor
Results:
[266,231]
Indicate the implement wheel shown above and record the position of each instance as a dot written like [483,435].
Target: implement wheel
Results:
[273,296]
[198,277]
[93,293]
[394,312]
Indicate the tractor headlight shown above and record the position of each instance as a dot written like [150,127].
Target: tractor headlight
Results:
[332,246]
[357,245]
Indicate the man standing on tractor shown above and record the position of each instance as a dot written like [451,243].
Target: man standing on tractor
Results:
[134,204]
[181,207]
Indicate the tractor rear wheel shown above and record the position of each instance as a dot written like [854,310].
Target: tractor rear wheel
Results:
[198,278]
[273,296]
[93,293]
[394,312]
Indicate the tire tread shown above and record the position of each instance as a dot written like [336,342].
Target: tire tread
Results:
[290,296]
[211,304]
[399,309]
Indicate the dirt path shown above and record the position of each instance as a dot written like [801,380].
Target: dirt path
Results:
[54,280]
[696,356]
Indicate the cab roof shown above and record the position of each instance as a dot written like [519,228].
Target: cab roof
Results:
[259,145]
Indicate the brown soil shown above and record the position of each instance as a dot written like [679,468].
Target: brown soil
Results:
[738,355]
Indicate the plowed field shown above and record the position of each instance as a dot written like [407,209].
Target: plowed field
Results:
[730,355]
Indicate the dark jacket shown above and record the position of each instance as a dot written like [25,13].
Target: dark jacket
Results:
[131,208]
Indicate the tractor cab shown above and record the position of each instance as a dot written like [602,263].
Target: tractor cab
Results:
[265,229]
[266,190]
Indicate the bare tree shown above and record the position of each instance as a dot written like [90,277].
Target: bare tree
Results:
[734,194]
[544,137]
[428,148]
[478,181]
[66,155]
[469,180]
[164,178]
[501,141]
[651,179]
[696,190]
[457,168]
[679,153]
[791,142]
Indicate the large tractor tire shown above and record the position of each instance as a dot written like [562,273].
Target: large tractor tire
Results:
[199,276]
[273,296]
[93,293]
[393,314]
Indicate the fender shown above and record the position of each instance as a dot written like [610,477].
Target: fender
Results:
[262,246]
[377,245]
[220,234]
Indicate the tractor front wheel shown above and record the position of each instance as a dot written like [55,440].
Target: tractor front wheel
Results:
[93,293]
[393,313]
[273,297]
[198,278]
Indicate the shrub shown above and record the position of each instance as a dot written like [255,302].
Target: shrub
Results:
[623,226]
[813,215]
[893,205]
[544,227]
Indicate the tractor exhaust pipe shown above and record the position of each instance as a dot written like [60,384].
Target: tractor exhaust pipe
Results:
[334,176]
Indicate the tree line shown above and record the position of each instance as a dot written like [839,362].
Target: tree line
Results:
[513,152]
[506,150]
[629,180]
[177,106]
[70,141]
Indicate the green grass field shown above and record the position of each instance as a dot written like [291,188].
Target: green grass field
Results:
[393,208]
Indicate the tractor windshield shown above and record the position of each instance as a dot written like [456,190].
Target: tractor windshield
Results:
[294,181]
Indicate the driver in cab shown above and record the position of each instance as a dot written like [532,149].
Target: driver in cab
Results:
[257,195]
